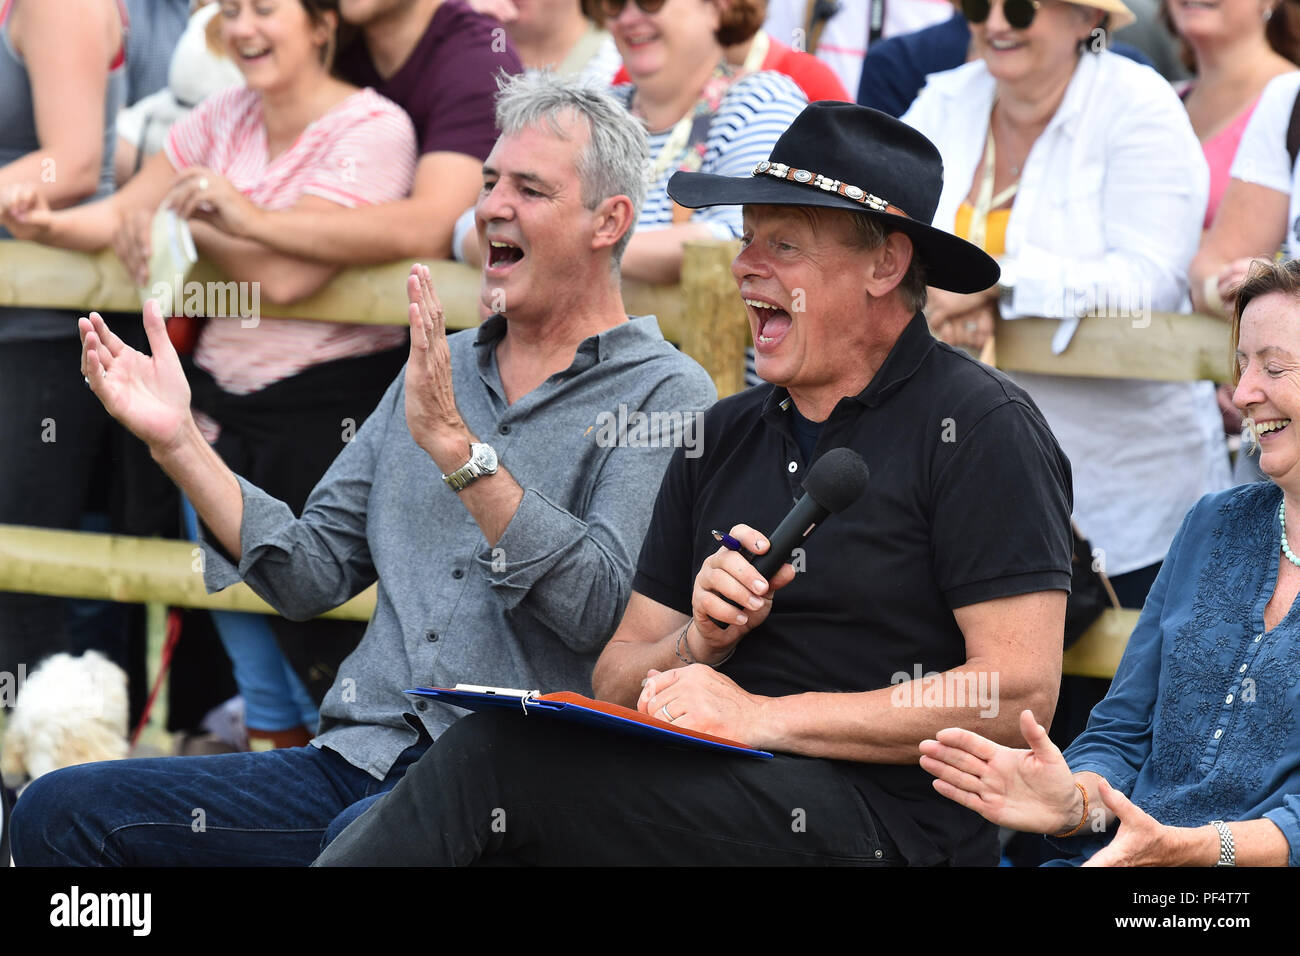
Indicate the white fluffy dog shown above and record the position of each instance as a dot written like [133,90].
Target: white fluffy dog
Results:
[70,710]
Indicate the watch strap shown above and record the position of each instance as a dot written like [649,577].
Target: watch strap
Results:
[473,469]
[1227,846]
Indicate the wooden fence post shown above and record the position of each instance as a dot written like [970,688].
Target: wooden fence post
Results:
[715,329]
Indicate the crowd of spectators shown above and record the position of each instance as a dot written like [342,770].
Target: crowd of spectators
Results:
[1113,157]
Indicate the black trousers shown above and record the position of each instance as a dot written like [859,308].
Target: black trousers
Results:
[499,788]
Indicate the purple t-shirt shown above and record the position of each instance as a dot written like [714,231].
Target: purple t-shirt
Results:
[447,86]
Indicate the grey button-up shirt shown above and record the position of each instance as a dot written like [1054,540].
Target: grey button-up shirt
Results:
[588,446]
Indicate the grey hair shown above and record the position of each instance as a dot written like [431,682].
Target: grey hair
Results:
[870,234]
[616,158]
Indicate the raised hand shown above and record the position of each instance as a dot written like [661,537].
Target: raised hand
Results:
[1031,790]
[147,394]
[726,574]
[431,412]
[24,211]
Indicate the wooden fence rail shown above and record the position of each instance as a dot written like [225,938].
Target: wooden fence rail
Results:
[110,567]
[704,316]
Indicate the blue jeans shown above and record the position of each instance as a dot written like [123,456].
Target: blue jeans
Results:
[277,808]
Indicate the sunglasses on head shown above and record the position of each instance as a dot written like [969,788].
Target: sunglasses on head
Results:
[1019,14]
[610,9]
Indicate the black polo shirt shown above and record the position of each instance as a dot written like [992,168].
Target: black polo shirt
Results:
[969,500]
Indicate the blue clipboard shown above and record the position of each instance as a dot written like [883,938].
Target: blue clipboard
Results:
[575,709]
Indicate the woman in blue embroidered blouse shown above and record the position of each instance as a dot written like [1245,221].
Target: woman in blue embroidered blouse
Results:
[1196,749]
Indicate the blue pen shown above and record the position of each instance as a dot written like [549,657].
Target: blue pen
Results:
[731,544]
[728,542]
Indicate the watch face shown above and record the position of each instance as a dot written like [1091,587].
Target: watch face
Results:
[485,456]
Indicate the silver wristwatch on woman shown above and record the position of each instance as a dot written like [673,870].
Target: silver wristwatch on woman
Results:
[1227,846]
[482,461]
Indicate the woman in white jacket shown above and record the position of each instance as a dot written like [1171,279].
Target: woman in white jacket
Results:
[1079,171]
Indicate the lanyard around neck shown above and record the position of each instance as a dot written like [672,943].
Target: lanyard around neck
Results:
[985,201]
[684,147]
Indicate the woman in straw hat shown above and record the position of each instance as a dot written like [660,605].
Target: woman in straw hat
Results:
[1079,171]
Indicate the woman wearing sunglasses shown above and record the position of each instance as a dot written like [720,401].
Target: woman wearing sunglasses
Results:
[701,114]
[1080,171]
[750,48]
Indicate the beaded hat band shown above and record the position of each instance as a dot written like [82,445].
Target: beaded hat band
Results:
[817,180]
[863,147]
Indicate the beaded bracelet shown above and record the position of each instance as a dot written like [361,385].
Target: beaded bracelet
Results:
[1069,833]
[691,660]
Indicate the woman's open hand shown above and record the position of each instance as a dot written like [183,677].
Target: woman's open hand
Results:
[1031,790]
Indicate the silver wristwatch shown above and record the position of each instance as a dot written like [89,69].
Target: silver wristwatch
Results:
[482,461]
[1227,846]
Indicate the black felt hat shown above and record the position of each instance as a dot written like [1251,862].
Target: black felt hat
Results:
[844,156]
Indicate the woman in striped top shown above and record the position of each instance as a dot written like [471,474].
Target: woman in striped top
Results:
[277,397]
[700,114]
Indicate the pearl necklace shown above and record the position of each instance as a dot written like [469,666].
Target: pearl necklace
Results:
[1286,548]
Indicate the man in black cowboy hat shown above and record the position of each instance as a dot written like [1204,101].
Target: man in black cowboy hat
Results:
[937,599]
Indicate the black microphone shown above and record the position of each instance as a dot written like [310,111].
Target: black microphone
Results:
[835,481]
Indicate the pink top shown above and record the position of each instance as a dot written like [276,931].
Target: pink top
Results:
[1220,150]
[361,152]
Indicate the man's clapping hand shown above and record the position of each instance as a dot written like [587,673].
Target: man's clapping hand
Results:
[146,393]
[431,413]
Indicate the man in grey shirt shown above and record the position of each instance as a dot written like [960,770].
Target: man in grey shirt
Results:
[513,569]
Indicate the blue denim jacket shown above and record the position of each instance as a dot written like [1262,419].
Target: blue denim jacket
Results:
[1200,722]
